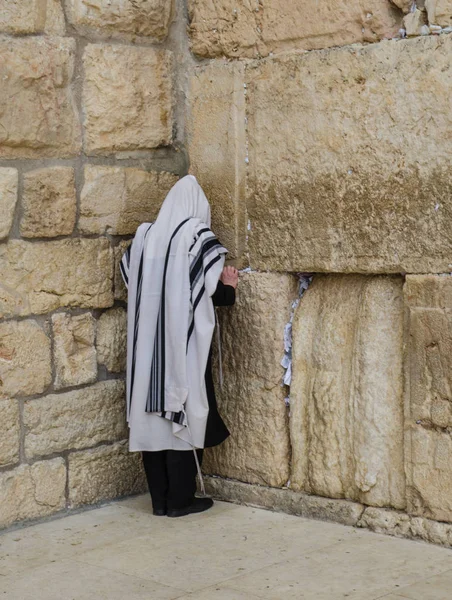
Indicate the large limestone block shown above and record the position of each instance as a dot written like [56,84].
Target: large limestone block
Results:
[8,198]
[429,396]
[217,147]
[48,202]
[9,431]
[24,358]
[116,200]
[346,417]
[73,349]
[127,98]
[348,162]
[20,17]
[111,339]
[250,29]
[104,473]
[252,398]
[43,276]
[120,288]
[439,12]
[32,491]
[37,110]
[75,419]
[150,18]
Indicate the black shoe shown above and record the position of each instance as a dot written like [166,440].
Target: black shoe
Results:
[159,512]
[198,505]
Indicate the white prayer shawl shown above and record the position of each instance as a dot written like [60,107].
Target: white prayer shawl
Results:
[171,270]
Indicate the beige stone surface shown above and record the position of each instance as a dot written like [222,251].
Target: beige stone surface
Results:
[352,180]
[247,29]
[103,473]
[439,12]
[217,147]
[120,288]
[29,492]
[8,198]
[9,431]
[117,200]
[76,419]
[42,276]
[346,397]
[48,202]
[37,110]
[24,358]
[252,398]
[127,98]
[406,5]
[150,18]
[74,352]
[55,22]
[31,16]
[414,21]
[111,339]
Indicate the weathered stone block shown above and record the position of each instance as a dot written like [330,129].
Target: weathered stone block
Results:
[8,199]
[9,431]
[49,202]
[75,419]
[24,358]
[217,147]
[346,416]
[115,18]
[248,29]
[29,492]
[31,16]
[104,473]
[112,339]
[252,398]
[73,349]
[42,276]
[439,12]
[42,120]
[116,200]
[414,21]
[120,288]
[352,180]
[127,98]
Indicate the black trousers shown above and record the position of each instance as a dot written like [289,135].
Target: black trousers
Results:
[171,477]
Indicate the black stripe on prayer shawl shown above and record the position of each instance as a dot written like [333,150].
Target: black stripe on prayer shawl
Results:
[124,271]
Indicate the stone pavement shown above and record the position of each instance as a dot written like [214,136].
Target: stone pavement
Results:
[121,552]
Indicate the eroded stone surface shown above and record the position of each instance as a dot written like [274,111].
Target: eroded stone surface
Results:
[24,358]
[111,340]
[352,180]
[252,398]
[73,349]
[414,21]
[217,147]
[76,419]
[8,199]
[116,200]
[247,29]
[42,276]
[104,473]
[346,393]
[49,203]
[29,492]
[41,119]
[9,431]
[127,98]
[439,12]
[31,16]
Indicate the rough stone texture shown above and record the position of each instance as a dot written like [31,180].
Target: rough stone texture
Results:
[250,29]
[216,145]
[429,400]
[20,17]
[116,200]
[42,276]
[127,98]
[112,339]
[356,177]
[49,202]
[120,288]
[103,473]
[252,399]
[8,199]
[9,431]
[37,110]
[346,393]
[149,18]
[439,12]
[73,349]
[76,419]
[414,21]
[29,492]
[284,500]
[406,5]
[24,358]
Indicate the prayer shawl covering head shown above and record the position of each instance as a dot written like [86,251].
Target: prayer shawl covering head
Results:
[171,270]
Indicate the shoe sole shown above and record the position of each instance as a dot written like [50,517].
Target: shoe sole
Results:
[184,512]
